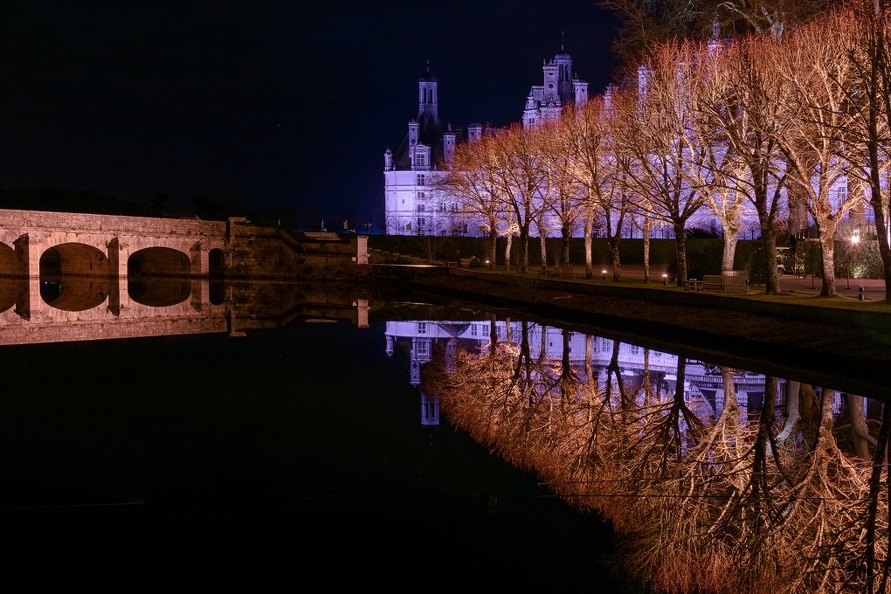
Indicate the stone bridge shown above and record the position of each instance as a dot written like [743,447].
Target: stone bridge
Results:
[72,266]
[98,254]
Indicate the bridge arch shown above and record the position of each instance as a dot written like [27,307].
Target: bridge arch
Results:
[216,262]
[11,292]
[74,277]
[75,293]
[158,261]
[10,264]
[73,259]
[160,291]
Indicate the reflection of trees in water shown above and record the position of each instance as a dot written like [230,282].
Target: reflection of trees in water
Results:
[704,502]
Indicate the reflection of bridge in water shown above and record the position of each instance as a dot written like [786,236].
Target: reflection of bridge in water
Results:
[78,308]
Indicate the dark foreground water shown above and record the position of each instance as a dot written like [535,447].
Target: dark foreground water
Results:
[291,458]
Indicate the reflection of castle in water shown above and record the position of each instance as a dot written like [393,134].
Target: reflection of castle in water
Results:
[703,386]
[74,308]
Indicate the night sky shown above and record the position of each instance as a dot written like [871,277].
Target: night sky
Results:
[265,103]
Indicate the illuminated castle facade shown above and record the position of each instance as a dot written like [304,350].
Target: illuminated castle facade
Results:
[412,206]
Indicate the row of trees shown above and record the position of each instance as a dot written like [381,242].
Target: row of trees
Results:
[755,129]
[705,500]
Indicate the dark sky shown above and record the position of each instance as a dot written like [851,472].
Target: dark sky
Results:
[269,103]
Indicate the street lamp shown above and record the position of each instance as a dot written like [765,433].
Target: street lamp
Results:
[665,279]
[604,274]
[855,239]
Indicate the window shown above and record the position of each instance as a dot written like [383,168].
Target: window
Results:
[422,327]
[421,179]
[421,195]
[841,195]
[421,208]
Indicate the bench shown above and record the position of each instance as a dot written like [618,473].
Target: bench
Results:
[727,281]
[558,271]
[565,270]
[692,284]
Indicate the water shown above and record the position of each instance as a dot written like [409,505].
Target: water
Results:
[294,440]
[291,454]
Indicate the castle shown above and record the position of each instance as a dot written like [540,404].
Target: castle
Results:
[411,207]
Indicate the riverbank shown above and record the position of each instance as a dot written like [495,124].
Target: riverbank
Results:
[840,342]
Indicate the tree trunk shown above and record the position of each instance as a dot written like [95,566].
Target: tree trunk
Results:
[543,247]
[566,233]
[524,249]
[827,258]
[730,406]
[493,243]
[729,256]
[614,256]
[646,252]
[769,241]
[793,410]
[589,245]
[509,239]
[859,429]
[680,242]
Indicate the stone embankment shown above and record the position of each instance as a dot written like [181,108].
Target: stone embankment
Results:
[822,345]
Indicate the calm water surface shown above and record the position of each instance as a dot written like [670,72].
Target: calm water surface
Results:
[292,454]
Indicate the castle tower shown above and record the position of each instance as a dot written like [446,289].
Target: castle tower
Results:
[561,88]
[428,103]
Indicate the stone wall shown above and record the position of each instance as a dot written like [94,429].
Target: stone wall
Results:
[256,251]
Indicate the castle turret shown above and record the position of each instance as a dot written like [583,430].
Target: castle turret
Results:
[448,146]
[427,100]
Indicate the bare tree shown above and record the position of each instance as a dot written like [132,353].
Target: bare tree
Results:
[653,139]
[813,61]
[589,138]
[520,181]
[869,101]
[714,168]
[644,24]
[472,179]
[565,202]
[752,117]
